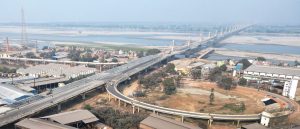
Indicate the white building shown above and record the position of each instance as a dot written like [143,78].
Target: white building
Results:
[290,88]
[256,72]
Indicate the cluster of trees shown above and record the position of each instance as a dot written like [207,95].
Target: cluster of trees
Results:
[223,81]
[170,84]
[148,52]
[48,55]
[117,119]
[30,55]
[196,73]
[7,70]
[261,59]
[74,55]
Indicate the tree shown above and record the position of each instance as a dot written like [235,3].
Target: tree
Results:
[114,60]
[223,67]
[30,55]
[196,73]
[169,86]
[140,54]
[170,68]
[215,74]
[226,83]
[211,96]
[261,59]
[245,63]
[242,82]
[152,51]
[296,63]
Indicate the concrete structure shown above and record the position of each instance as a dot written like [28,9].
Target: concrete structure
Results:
[56,70]
[10,94]
[254,126]
[75,117]
[36,123]
[290,88]
[159,122]
[257,72]
[274,119]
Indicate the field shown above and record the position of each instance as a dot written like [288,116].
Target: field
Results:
[194,96]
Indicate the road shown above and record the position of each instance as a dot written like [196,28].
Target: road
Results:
[59,95]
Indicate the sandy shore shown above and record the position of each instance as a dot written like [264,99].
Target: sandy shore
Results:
[80,31]
[287,57]
[180,37]
[260,39]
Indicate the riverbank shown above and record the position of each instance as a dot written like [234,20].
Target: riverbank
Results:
[271,56]
[288,40]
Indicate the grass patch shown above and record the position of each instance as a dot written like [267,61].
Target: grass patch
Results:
[236,107]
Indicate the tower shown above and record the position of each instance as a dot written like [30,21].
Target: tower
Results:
[24,38]
[172,47]
[7,45]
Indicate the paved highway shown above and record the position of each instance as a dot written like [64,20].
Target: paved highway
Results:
[114,75]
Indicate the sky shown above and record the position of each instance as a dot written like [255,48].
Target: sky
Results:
[285,12]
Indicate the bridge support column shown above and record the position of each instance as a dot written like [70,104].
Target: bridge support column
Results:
[182,119]
[133,109]
[125,104]
[83,96]
[238,123]
[59,107]
[138,109]
[109,97]
[119,102]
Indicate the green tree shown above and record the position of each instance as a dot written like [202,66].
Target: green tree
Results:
[226,83]
[196,73]
[170,68]
[30,55]
[223,67]
[261,59]
[114,60]
[242,82]
[215,74]
[152,51]
[211,96]
[169,86]
[297,63]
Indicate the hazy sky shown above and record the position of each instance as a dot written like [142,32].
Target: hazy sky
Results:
[217,11]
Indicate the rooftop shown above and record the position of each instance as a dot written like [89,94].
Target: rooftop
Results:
[291,71]
[73,116]
[159,122]
[11,92]
[35,123]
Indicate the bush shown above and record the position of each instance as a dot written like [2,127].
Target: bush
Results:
[242,82]
[139,94]
[226,83]
[88,107]
[169,86]
[239,107]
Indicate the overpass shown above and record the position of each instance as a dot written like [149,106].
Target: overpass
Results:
[120,73]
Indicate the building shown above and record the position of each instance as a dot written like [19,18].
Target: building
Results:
[274,119]
[259,72]
[290,88]
[11,94]
[76,118]
[159,122]
[36,123]
[56,70]
[254,126]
